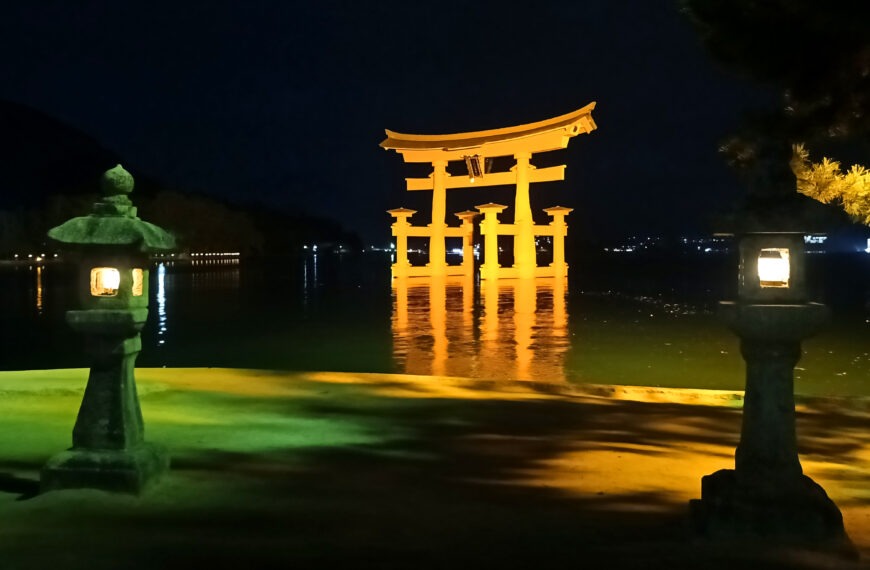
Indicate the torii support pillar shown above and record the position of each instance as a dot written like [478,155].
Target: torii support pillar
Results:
[489,230]
[560,230]
[438,227]
[524,239]
[467,228]
[400,229]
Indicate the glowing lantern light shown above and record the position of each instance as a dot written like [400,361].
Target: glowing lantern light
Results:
[773,267]
[138,282]
[105,281]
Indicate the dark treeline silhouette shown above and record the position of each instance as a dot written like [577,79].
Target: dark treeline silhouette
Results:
[51,173]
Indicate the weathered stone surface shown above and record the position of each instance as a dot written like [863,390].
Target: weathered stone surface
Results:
[800,513]
[122,470]
[116,181]
[107,322]
[110,416]
[774,322]
[100,229]
[113,221]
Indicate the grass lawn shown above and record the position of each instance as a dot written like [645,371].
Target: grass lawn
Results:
[316,470]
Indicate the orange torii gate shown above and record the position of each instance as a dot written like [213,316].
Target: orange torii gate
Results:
[473,148]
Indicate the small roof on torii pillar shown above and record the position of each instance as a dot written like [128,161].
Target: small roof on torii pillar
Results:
[542,136]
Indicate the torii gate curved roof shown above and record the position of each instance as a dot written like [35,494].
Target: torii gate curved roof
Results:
[541,136]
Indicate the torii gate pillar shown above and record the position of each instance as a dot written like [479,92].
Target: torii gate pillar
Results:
[489,230]
[559,231]
[524,240]
[438,227]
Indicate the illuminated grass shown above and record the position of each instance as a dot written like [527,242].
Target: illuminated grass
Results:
[315,469]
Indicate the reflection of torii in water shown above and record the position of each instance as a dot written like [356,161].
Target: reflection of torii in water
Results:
[520,334]
[474,148]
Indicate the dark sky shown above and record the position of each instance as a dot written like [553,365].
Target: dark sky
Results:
[284,102]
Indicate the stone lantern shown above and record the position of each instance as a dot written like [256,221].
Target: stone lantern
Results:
[767,495]
[112,245]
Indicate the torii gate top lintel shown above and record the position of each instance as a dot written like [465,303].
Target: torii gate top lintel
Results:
[542,136]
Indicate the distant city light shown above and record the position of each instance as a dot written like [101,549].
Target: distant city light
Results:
[161,303]
[640,244]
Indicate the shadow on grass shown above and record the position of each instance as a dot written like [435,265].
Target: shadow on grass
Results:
[23,487]
[450,483]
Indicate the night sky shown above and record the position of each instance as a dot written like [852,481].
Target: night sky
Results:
[284,103]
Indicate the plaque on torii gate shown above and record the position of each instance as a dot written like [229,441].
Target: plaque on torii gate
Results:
[473,149]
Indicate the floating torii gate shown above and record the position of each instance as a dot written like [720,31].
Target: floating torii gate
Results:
[473,148]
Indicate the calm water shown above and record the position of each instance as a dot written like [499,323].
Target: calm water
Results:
[619,321]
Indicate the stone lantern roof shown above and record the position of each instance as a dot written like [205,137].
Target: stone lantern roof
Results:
[113,221]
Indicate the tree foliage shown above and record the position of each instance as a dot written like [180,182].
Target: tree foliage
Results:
[826,182]
[815,54]
[201,224]
[816,57]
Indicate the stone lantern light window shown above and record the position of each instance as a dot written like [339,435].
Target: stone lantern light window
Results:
[773,267]
[105,281]
[138,278]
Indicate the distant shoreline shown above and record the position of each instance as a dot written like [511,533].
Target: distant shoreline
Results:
[184,257]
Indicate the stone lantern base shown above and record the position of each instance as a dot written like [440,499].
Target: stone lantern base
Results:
[123,470]
[767,499]
[799,513]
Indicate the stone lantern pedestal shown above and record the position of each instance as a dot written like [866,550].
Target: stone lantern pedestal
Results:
[109,450]
[767,494]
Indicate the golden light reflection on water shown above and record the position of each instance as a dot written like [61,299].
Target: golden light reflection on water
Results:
[516,329]
[39,289]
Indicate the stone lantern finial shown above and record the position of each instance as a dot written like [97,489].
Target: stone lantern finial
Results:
[116,181]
